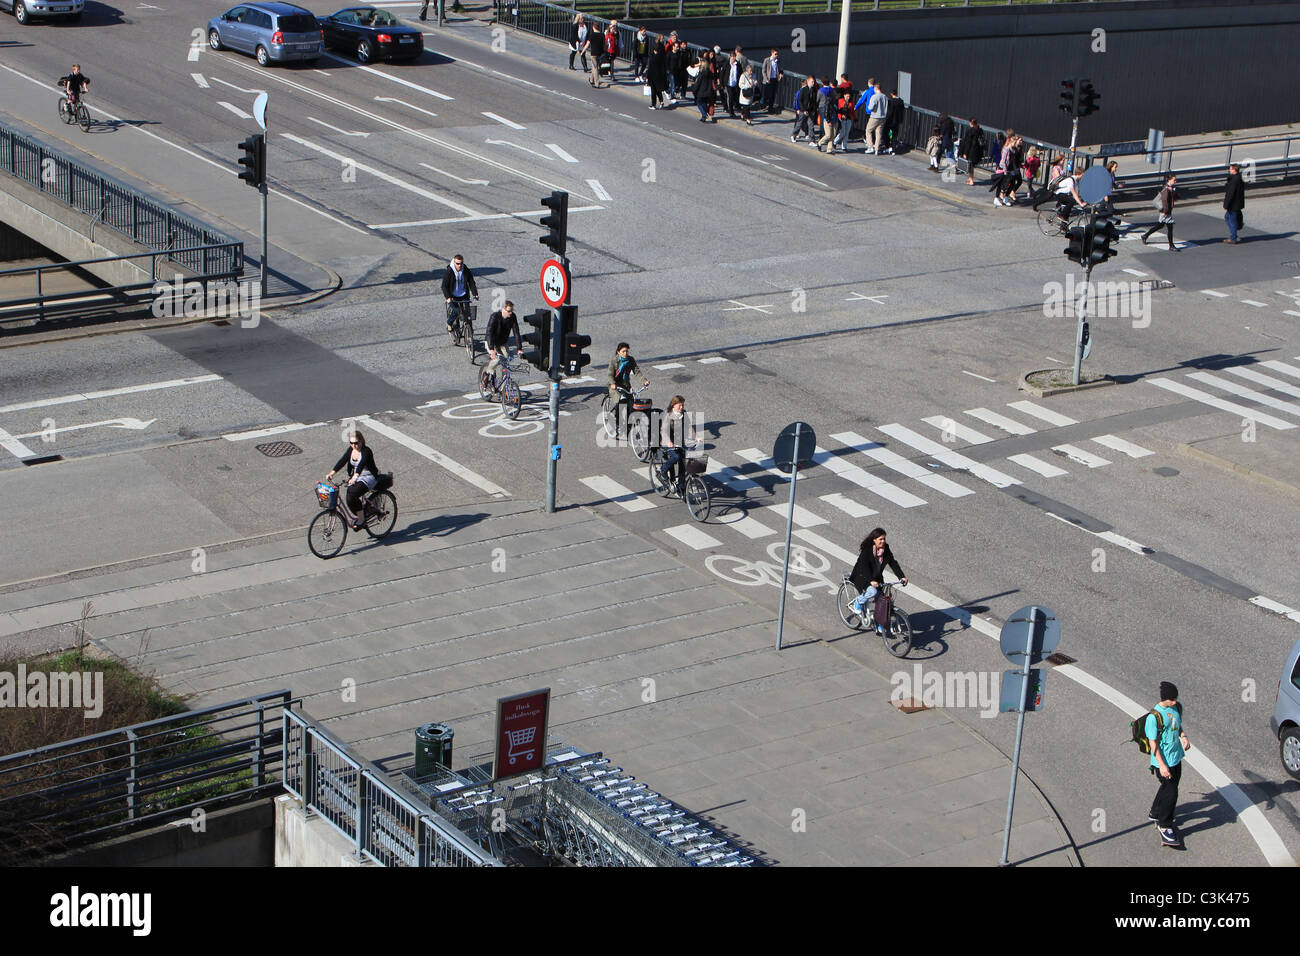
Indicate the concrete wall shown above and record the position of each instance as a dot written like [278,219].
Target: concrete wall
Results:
[15,245]
[307,840]
[234,836]
[1184,67]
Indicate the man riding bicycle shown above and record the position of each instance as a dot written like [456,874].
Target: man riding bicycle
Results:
[457,284]
[621,367]
[75,83]
[499,326]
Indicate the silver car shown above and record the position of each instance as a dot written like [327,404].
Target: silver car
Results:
[25,11]
[1286,713]
[272,32]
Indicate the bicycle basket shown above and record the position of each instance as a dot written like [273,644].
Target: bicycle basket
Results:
[642,404]
[384,481]
[327,494]
[697,466]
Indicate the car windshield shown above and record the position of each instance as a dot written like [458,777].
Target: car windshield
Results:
[299,23]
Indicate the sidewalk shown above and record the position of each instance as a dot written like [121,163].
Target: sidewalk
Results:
[669,673]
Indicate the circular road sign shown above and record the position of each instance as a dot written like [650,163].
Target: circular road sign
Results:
[790,451]
[1016,632]
[555,283]
[1094,185]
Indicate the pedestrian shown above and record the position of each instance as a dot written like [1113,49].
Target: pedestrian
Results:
[611,49]
[657,73]
[676,51]
[971,149]
[933,147]
[1166,199]
[947,135]
[579,41]
[705,89]
[1168,743]
[640,54]
[1032,162]
[805,110]
[734,72]
[844,113]
[1234,201]
[771,79]
[878,106]
[827,109]
[894,110]
[1054,176]
[748,93]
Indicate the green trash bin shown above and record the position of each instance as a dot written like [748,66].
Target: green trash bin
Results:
[432,748]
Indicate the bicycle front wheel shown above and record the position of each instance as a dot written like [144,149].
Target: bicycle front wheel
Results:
[468,328]
[844,600]
[326,533]
[638,433]
[1049,222]
[697,497]
[609,415]
[898,635]
[485,385]
[511,401]
[381,514]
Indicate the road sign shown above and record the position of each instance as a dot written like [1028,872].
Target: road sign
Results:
[521,733]
[1013,691]
[1016,634]
[555,283]
[1094,185]
[259,110]
[789,451]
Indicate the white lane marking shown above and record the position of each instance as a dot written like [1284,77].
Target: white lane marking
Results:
[380,174]
[12,445]
[613,491]
[558,151]
[952,427]
[939,453]
[983,378]
[433,404]
[267,432]
[1269,604]
[1267,380]
[1128,544]
[240,89]
[322,72]
[693,537]
[526,214]
[1205,398]
[131,424]
[1258,305]
[195,48]
[235,109]
[892,459]
[1291,312]
[335,128]
[506,142]
[664,368]
[850,507]
[1125,447]
[1038,465]
[1136,272]
[802,516]
[1008,425]
[729,476]
[352,64]
[109,393]
[710,361]
[599,190]
[747,158]
[746,525]
[1282,367]
[200,79]
[1215,293]
[1046,414]
[1075,453]
[394,99]
[1242,391]
[864,479]
[467,182]
[438,458]
[741,307]
[502,120]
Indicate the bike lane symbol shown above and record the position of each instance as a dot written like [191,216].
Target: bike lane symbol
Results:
[805,563]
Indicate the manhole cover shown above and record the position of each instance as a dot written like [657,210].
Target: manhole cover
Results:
[1164,471]
[279,449]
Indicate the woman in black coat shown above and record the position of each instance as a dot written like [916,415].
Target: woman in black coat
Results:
[579,41]
[363,474]
[971,149]
[706,87]
[657,73]
[873,557]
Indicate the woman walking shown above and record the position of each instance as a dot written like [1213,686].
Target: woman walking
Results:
[747,94]
[656,73]
[706,89]
[971,149]
[579,41]
[1168,196]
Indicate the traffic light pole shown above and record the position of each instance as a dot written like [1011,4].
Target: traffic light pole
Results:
[556,347]
[1083,300]
[1074,137]
[263,190]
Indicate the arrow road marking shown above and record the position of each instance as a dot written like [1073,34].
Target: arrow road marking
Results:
[757,308]
[599,190]
[200,80]
[858,297]
[506,142]
[134,424]
[335,128]
[467,182]
[554,148]
[217,79]
[394,99]
[234,109]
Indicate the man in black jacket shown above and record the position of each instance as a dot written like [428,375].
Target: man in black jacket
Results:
[805,109]
[457,284]
[893,122]
[1234,201]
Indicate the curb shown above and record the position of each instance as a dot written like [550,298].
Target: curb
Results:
[1218,461]
[1037,392]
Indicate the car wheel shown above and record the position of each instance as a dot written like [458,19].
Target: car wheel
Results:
[214,39]
[263,58]
[364,52]
[1290,750]
[20,12]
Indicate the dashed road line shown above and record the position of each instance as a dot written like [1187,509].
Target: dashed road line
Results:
[502,120]
[1215,293]
[437,457]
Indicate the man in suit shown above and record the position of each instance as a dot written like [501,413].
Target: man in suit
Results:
[734,72]
[771,78]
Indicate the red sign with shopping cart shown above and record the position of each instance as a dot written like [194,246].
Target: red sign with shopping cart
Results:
[521,733]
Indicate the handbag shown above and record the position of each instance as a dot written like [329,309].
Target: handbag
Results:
[881,612]
[645,90]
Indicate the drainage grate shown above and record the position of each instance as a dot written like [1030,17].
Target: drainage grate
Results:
[279,449]
[43,460]
[1059,658]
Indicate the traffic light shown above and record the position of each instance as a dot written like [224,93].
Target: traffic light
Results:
[254,161]
[1088,97]
[538,355]
[573,359]
[557,238]
[1104,232]
[1070,97]
[1077,250]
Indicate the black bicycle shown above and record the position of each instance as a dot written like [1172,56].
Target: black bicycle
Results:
[71,112]
[639,416]
[896,629]
[688,481]
[460,316]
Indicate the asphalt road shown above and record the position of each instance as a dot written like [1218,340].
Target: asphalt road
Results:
[768,285]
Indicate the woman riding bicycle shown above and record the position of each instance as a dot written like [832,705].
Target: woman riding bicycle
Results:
[675,434]
[873,557]
[363,475]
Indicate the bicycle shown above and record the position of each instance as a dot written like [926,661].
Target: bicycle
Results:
[689,483]
[71,112]
[328,531]
[502,384]
[1052,225]
[460,316]
[896,632]
[638,414]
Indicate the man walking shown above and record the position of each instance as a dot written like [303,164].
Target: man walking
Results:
[826,107]
[1168,743]
[879,106]
[1234,201]
[772,75]
[805,110]
[734,72]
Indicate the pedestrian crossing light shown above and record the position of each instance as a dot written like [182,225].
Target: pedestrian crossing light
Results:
[1077,250]
[1070,97]
[1088,97]
[254,160]
[1104,232]
[537,343]
[556,222]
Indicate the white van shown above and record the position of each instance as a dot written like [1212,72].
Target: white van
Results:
[1286,713]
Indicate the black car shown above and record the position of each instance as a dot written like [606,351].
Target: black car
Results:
[372,34]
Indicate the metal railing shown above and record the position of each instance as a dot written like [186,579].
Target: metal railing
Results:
[651,9]
[68,794]
[1206,170]
[354,796]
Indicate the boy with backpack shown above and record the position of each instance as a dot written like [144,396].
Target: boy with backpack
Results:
[1163,737]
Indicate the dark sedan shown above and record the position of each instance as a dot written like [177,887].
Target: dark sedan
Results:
[371,34]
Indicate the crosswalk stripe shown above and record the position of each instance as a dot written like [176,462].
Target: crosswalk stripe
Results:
[1120,445]
[850,507]
[756,457]
[1271,363]
[1248,393]
[729,476]
[830,547]
[951,427]
[864,479]
[693,537]
[666,367]
[611,489]
[1205,398]
[1046,414]
[1075,453]
[892,459]
[802,516]
[749,527]
[1276,384]
[1043,468]
[939,453]
[1008,425]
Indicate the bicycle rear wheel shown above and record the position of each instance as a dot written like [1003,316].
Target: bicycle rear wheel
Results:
[510,399]
[83,117]
[65,112]
[898,635]
[326,533]
[847,595]
[697,497]
[1049,222]
[381,514]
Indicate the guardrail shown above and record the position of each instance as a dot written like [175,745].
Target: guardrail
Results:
[354,797]
[1205,170]
[647,9]
[68,794]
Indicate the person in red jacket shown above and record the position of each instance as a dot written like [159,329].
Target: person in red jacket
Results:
[611,47]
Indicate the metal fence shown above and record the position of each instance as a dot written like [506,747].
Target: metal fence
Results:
[354,796]
[1198,165]
[68,794]
[714,8]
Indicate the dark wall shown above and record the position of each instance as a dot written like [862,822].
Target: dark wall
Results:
[1184,67]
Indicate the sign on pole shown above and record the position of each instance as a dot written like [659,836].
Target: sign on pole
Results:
[521,733]
[793,449]
[1029,635]
[555,283]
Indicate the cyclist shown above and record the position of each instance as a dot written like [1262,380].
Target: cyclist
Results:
[675,426]
[75,83]
[457,284]
[1067,195]
[363,475]
[621,367]
[499,326]
[873,557]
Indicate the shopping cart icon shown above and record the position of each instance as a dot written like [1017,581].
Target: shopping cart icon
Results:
[521,744]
